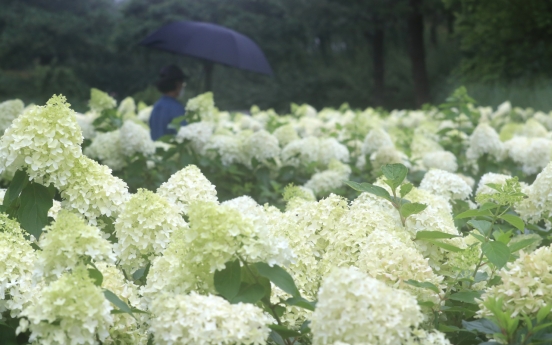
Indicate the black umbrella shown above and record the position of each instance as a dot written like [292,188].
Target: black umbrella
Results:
[211,42]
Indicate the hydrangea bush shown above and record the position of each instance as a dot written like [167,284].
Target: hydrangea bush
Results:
[410,228]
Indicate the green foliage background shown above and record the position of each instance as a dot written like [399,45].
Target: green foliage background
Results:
[322,51]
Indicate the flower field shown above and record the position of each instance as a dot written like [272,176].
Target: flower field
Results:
[328,227]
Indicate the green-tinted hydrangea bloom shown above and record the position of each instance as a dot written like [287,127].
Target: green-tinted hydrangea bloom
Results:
[71,310]
[46,140]
[17,260]
[100,100]
[70,242]
[144,227]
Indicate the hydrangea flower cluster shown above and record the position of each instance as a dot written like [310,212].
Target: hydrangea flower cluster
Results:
[71,310]
[144,227]
[207,320]
[136,138]
[9,110]
[446,184]
[17,260]
[356,309]
[46,140]
[526,284]
[68,243]
[100,100]
[186,186]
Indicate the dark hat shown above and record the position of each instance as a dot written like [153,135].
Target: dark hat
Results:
[171,72]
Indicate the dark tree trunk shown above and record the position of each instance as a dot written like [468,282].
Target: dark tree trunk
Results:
[417,52]
[379,66]
[208,67]
[433,33]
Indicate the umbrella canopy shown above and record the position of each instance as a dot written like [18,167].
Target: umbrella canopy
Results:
[210,42]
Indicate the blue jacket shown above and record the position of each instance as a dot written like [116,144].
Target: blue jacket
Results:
[164,111]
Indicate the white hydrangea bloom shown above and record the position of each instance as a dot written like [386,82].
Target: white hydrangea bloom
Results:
[144,227]
[307,226]
[526,284]
[54,210]
[538,205]
[331,149]
[534,129]
[215,235]
[388,155]
[207,320]
[107,148]
[328,180]
[70,242]
[366,214]
[390,256]
[45,140]
[485,140]
[285,134]
[198,133]
[17,260]
[309,126]
[228,147]
[85,122]
[93,191]
[261,145]
[376,139]
[127,107]
[204,106]
[446,184]
[443,160]
[144,114]
[9,110]
[423,145]
[100,100]
[533,153]
[186,186]
[357,309]
[71,310]
[301,152]
[490,177]
[125,329]
[273,249]
[135,139]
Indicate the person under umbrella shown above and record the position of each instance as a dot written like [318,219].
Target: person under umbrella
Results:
[171,84]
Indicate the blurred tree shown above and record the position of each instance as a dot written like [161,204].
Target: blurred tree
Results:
[504,40]
[54,46]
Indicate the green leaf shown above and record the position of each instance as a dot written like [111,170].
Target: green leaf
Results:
[301,302]
[395,173]
[481,325]
[514,247]
[228,280]
[33,212]
[483,226]
[96,276]
[428,304]
[488,206]
[111,297]
[472,214]
[446,246]
[19,181]
[249,293]
[284,332]
[405,189]
[497,252]
[466,296]
[425,285]
[514,220]
[279,277]
[369,188]
[422,235]
[411,208]
[141,272]
[543,313]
